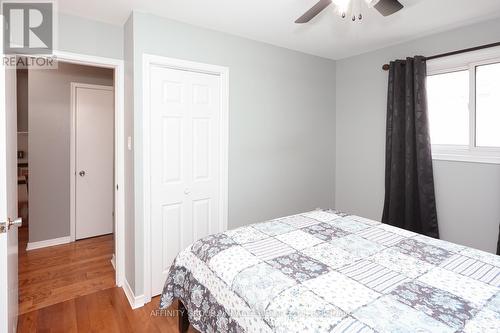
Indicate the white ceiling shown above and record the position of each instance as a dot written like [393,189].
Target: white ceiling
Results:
[271,21]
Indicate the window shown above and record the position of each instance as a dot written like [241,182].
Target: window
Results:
[488,105]
[448,98]
[463,94]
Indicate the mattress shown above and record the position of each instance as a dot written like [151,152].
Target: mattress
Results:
[325,271]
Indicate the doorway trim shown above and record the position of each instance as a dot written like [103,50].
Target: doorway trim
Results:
[148,61]
[72,193]
[119,159]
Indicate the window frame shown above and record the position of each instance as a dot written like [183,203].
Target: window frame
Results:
[466,61]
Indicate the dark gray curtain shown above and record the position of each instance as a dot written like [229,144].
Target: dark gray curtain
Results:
[409,182]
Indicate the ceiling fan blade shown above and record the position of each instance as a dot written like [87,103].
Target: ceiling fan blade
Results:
[388,7]
[315,10]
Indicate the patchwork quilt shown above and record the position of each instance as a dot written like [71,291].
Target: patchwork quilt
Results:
[324,271]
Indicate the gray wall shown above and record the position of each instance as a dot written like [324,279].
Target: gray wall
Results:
[282,116]
[22,100]
[80,35]
[49,145]
[468,194]
[129,154]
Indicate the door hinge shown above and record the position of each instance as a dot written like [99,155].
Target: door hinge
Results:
[117,187]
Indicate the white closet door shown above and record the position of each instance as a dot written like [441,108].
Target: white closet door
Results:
[185,163]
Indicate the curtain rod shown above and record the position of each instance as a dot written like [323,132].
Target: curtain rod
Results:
[386,67]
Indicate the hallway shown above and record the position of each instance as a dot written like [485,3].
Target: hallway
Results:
[71,288]
[59,273]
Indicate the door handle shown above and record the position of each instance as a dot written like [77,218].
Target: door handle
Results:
[82,173]
[15,223]
[9,224]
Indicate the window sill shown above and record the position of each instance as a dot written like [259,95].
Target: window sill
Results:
[469,158]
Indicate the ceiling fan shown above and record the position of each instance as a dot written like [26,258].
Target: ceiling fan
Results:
[351,8]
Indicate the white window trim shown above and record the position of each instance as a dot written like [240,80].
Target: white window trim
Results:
[466,61]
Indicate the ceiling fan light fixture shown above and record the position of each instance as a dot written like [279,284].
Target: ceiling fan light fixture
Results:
[351,8]
[342,6]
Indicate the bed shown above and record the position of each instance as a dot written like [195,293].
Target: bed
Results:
[325,271]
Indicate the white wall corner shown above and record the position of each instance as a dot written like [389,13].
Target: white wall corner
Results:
[134,301]
[48,242]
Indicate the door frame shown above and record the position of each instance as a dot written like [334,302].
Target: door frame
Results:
[72,193]
[119,149]
[149,61]
[9,311]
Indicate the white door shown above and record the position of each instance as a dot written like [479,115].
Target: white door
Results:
[8,201]
[94,156]
[185,141]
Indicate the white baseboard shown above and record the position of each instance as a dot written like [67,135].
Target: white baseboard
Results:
[134,301]
[47,243]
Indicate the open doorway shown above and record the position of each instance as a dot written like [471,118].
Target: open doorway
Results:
[66,183]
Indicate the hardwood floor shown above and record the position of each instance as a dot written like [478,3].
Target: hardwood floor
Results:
[59,273]
[71,288]
[104,311]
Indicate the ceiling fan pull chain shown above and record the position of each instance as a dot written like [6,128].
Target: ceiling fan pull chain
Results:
[357,10]
[352,8]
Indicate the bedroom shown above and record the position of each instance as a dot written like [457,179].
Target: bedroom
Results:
[302,125]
